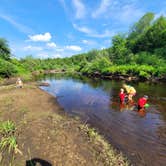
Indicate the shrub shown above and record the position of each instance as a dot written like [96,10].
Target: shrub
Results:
[7,69]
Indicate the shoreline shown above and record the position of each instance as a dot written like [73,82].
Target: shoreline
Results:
[109,76]
[65,140]
[128,78]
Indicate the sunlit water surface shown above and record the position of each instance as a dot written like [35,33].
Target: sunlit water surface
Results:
[140,135]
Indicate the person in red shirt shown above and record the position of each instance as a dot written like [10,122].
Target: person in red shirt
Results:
[142,101]
[122,95]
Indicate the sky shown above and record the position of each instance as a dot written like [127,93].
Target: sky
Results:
[62,28]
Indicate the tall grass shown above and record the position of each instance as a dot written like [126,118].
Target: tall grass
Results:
[8,141]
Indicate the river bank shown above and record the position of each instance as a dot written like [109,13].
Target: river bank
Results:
[125,77]
[96,74]
[47,136]
[109,76]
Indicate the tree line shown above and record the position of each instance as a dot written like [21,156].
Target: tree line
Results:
[141,52]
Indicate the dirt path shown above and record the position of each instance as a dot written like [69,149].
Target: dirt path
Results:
[46,136]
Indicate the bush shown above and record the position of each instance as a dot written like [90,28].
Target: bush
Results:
[97,65]
[7,69]
[144,74]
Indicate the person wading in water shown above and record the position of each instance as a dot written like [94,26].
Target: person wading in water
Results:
[142,102]
[130,91]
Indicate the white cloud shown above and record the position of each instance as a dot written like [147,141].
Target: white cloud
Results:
[129,13]
[32,48]
[104,5]
[85,41]
[92,33]
[20,27]
[83,29]
[59,49]
[51,45]
[125,12]
[88,42]
[40,37]
[80,9]
[106,34]
[74,48]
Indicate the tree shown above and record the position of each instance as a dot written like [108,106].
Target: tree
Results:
[119,51]
[138,30]
[156,35]
[4,49]
[142,25]
[7,69]
[154,38]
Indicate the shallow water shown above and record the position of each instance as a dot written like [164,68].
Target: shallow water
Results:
[140,135]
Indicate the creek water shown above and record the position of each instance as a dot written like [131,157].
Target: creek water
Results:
[141,136]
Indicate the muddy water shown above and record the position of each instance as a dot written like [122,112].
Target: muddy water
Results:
[140,135]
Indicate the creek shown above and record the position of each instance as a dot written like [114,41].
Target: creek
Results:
[141,136]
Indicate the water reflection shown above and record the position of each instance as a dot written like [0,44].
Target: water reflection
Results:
[138,133]
[141,112]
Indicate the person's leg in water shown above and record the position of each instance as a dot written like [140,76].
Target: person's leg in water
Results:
[122,106]
[126,99]
[141,111]
[130,96]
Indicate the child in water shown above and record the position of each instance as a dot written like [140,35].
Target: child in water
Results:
[122,95]
[142,102]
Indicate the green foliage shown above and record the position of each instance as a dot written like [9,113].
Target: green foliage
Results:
[92,133]
[119,53]
[7,127]
[8,142]
[7,69]
[143,71]
[141,26]
[153,38]
[97,65]
[144,74]
[138,30]
[4,49]
[147,58]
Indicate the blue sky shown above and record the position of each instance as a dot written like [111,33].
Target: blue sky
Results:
[61,28]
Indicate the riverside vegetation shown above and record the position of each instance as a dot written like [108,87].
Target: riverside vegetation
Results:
[140,53]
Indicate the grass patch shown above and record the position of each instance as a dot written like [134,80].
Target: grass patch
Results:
[7,128]
[8,142]
[104,150]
